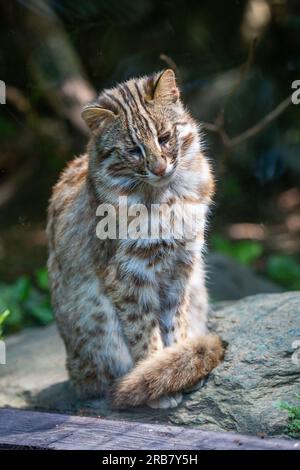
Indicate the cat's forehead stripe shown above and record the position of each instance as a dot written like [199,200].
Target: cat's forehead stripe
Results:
[124,109]
[122,104]
[128,96]
[141,100]
[136,111]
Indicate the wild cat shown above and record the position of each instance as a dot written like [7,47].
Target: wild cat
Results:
[132,311]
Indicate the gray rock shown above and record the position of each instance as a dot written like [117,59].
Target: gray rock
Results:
[238,396]
[228,280]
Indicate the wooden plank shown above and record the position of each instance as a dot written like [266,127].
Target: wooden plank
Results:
[39,430]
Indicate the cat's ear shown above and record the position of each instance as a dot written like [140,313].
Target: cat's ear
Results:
[165,88]
[95,116]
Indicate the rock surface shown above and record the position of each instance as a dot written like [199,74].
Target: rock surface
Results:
[260,368]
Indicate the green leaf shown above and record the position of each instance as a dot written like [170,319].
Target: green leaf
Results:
[42,278]
[42,313]
[9,299]
[243,251]
[285,270]
[293,416]
[38,307]
[27,304]
[3,317]
[21,288]
[248,251]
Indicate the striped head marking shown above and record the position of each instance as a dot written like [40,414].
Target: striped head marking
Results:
[139,130]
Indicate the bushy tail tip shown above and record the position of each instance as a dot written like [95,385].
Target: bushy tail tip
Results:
[168,371]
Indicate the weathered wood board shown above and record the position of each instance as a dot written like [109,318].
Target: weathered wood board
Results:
[20,429]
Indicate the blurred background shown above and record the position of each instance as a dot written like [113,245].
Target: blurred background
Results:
[235,62]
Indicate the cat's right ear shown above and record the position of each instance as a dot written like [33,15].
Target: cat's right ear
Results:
[165,88]
[96,117]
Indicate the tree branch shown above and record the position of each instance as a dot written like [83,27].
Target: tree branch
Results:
[230,142]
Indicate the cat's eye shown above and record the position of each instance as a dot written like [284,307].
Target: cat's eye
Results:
[164,139]
[135,152]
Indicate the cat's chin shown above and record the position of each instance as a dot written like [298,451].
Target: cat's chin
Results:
[160,181]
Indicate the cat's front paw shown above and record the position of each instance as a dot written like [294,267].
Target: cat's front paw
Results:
[165,402]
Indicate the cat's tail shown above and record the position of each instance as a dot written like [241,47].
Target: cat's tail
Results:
[168,371]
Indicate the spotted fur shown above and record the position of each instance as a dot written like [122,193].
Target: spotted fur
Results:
[132,313]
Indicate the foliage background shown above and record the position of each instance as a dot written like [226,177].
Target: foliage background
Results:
[235,60]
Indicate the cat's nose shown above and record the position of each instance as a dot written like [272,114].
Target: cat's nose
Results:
[159,168]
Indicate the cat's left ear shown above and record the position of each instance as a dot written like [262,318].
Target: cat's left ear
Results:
[95,116]
[165,88]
